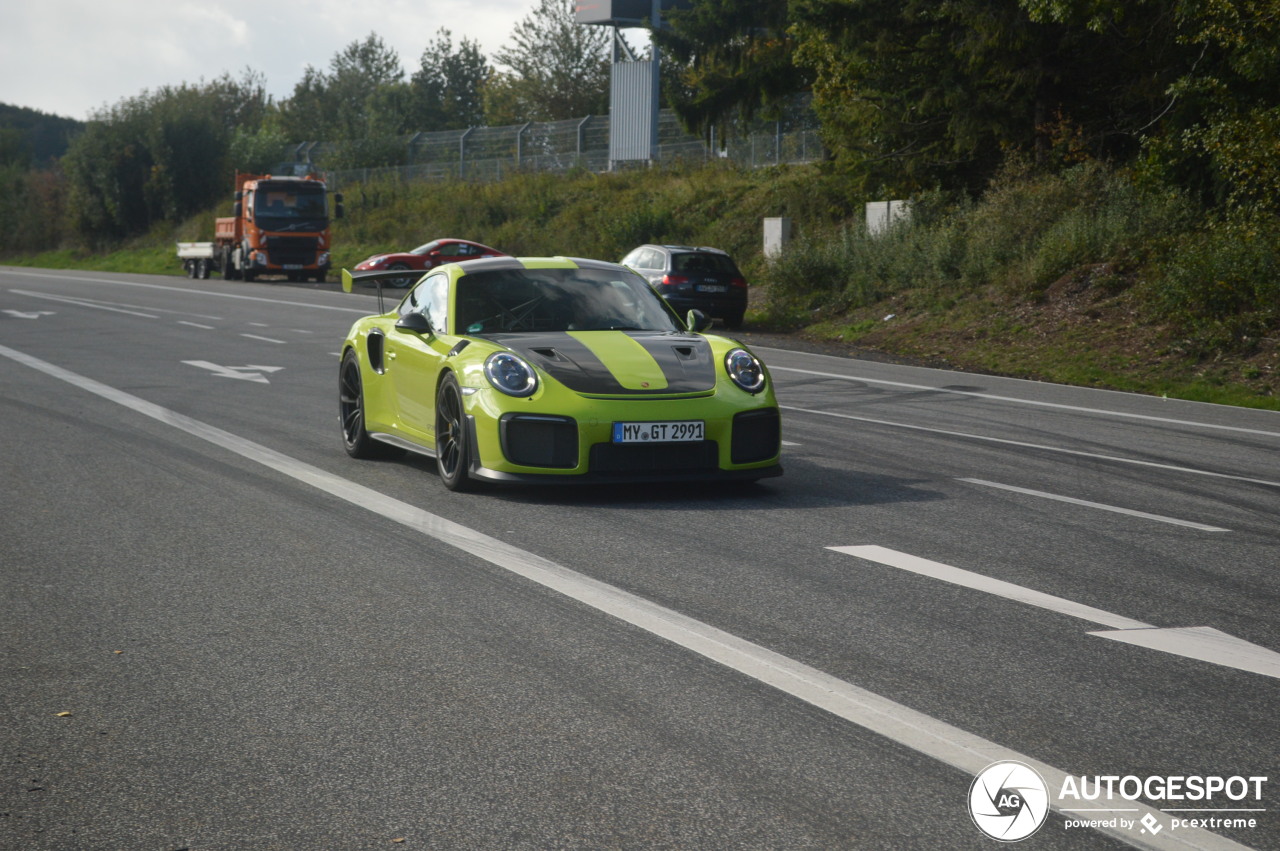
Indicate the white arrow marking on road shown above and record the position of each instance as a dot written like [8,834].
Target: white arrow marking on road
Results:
[29,314]
[245,373]
[1198,642]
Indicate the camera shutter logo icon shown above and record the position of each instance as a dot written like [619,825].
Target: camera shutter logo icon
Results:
[1008,801]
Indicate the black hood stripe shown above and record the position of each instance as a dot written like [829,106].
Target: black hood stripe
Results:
[685,361]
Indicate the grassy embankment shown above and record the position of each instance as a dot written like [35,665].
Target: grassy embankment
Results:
[1082,278]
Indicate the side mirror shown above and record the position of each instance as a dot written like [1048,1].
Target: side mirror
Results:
[238,209]
[415,323]
[697,321]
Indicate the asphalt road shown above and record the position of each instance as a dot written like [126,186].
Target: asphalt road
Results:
[220,632]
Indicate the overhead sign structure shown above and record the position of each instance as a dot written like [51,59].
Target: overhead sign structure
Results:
[633,88]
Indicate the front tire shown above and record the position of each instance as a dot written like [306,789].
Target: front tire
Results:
[452,450]
[355,439]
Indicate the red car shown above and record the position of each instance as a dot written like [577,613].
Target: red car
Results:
[427,257]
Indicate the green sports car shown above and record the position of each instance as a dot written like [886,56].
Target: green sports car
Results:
[553,370]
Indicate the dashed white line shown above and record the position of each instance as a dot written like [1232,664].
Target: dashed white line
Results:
[264,339]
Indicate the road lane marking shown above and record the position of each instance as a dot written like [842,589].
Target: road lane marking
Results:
[196,325]
[263,339]
[1098,505]
[1077,452]
[943,742]
[996,398]
[244,373]
[79,302]
[191,290]
[1198,642]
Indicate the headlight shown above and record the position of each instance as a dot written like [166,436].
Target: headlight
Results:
[510,374]
[745,370]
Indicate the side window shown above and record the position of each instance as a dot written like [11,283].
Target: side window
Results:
[436,291]
[413,301]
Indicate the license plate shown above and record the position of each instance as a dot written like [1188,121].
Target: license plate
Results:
[291,267]
[667,432]
[711,288]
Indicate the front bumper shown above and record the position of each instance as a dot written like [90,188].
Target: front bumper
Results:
[740,442]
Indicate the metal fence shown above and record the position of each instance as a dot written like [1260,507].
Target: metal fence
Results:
[492,153]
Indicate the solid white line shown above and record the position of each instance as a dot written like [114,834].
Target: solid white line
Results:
[996,398]
[1101,506]
[998,587]
[195,325]
[1041,446]
[924,733]
[190,291]
[263,339]
[82,303]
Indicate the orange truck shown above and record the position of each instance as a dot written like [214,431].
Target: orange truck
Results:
[280,226]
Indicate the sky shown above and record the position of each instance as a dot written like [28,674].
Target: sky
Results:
[71,57]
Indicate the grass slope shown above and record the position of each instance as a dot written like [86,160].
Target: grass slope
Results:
[1081,278]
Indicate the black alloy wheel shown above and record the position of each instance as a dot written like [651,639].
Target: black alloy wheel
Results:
[355,439]
[452,454]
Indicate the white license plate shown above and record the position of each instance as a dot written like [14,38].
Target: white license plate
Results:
[667,432]
[711,288]
[291,267]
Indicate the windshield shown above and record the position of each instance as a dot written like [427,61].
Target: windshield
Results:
[423,249]
[542,300]
[290,208]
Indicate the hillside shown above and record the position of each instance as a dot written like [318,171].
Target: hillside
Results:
[1076,278]
[43,137]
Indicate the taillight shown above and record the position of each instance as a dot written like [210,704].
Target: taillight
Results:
[674,280]
[739,282]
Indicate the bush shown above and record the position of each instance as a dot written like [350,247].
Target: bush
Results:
[1222,286]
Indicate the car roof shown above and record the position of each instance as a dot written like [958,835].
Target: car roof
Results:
[705,248]
[486,264]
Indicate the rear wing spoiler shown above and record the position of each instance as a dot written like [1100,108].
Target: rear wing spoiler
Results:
[349,279]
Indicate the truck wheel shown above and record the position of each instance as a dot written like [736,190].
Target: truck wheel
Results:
[202,269]
[189,267]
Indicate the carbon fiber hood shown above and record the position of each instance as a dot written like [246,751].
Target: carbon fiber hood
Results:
[619,363]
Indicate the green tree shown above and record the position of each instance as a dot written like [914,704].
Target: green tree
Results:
[1217,130]
[727,60]
[554,69]
[160,155]
[447,90]
[343,103]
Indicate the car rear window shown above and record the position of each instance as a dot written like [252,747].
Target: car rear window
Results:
[703,262]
